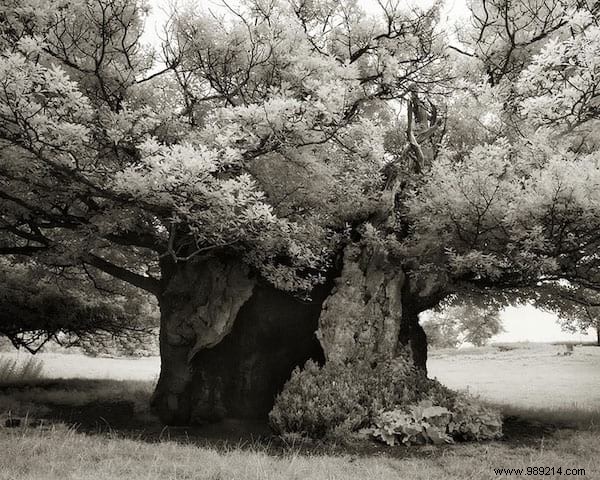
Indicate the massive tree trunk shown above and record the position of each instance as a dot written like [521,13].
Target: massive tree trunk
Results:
[199,304]
[229,343]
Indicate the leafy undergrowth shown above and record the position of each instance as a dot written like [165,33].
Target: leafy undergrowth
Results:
[390,400]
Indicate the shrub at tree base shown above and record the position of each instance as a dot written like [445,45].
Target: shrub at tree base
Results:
[389,400]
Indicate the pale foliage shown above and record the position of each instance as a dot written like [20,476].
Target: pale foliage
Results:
[272,133]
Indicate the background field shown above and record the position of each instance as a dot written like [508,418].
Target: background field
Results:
[531,375]
[527,375]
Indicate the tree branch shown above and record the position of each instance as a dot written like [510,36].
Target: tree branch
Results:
[141,281]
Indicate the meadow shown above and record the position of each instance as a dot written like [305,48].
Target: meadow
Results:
[77,417]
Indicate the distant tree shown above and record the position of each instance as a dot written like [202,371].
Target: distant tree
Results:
[588,319]
[37,306]
[463,323]
[442,330]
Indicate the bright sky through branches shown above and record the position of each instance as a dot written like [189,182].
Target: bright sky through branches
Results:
[159,12]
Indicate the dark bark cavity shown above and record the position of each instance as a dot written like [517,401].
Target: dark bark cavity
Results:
[413,337]
[273,333]
[199,305]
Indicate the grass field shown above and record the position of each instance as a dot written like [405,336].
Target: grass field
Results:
[553,403]
[532,375]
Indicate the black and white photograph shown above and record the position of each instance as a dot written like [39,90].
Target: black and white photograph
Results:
[299,239]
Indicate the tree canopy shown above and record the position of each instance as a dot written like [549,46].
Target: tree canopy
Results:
[285,129]
[38,305]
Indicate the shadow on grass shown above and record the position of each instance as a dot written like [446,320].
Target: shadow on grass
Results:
[121,408]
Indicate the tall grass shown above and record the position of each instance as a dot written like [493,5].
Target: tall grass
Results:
[15,372]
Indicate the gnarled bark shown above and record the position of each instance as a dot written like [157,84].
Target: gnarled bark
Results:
[199,304]
[228,344]
[362,316]
[369,313]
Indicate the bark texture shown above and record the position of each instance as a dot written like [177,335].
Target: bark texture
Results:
[370,311]
[362,316]
[199,304]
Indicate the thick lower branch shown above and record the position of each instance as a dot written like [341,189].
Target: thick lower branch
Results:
[149,284]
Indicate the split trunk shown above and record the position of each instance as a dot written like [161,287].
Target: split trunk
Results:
[230,342]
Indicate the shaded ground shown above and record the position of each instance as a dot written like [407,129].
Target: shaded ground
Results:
[101,429]
[129,419]
[116,407]
[125,420]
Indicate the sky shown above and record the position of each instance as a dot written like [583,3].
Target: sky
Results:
[520,323]
[158,16]
[533,325]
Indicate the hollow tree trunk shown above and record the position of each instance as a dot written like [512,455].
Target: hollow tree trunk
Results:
[199,304]
[366,315]
[240,377]
[228,343]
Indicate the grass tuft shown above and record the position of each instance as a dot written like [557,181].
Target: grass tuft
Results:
[16,372]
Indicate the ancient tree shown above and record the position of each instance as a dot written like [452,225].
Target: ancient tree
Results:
[290,167]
